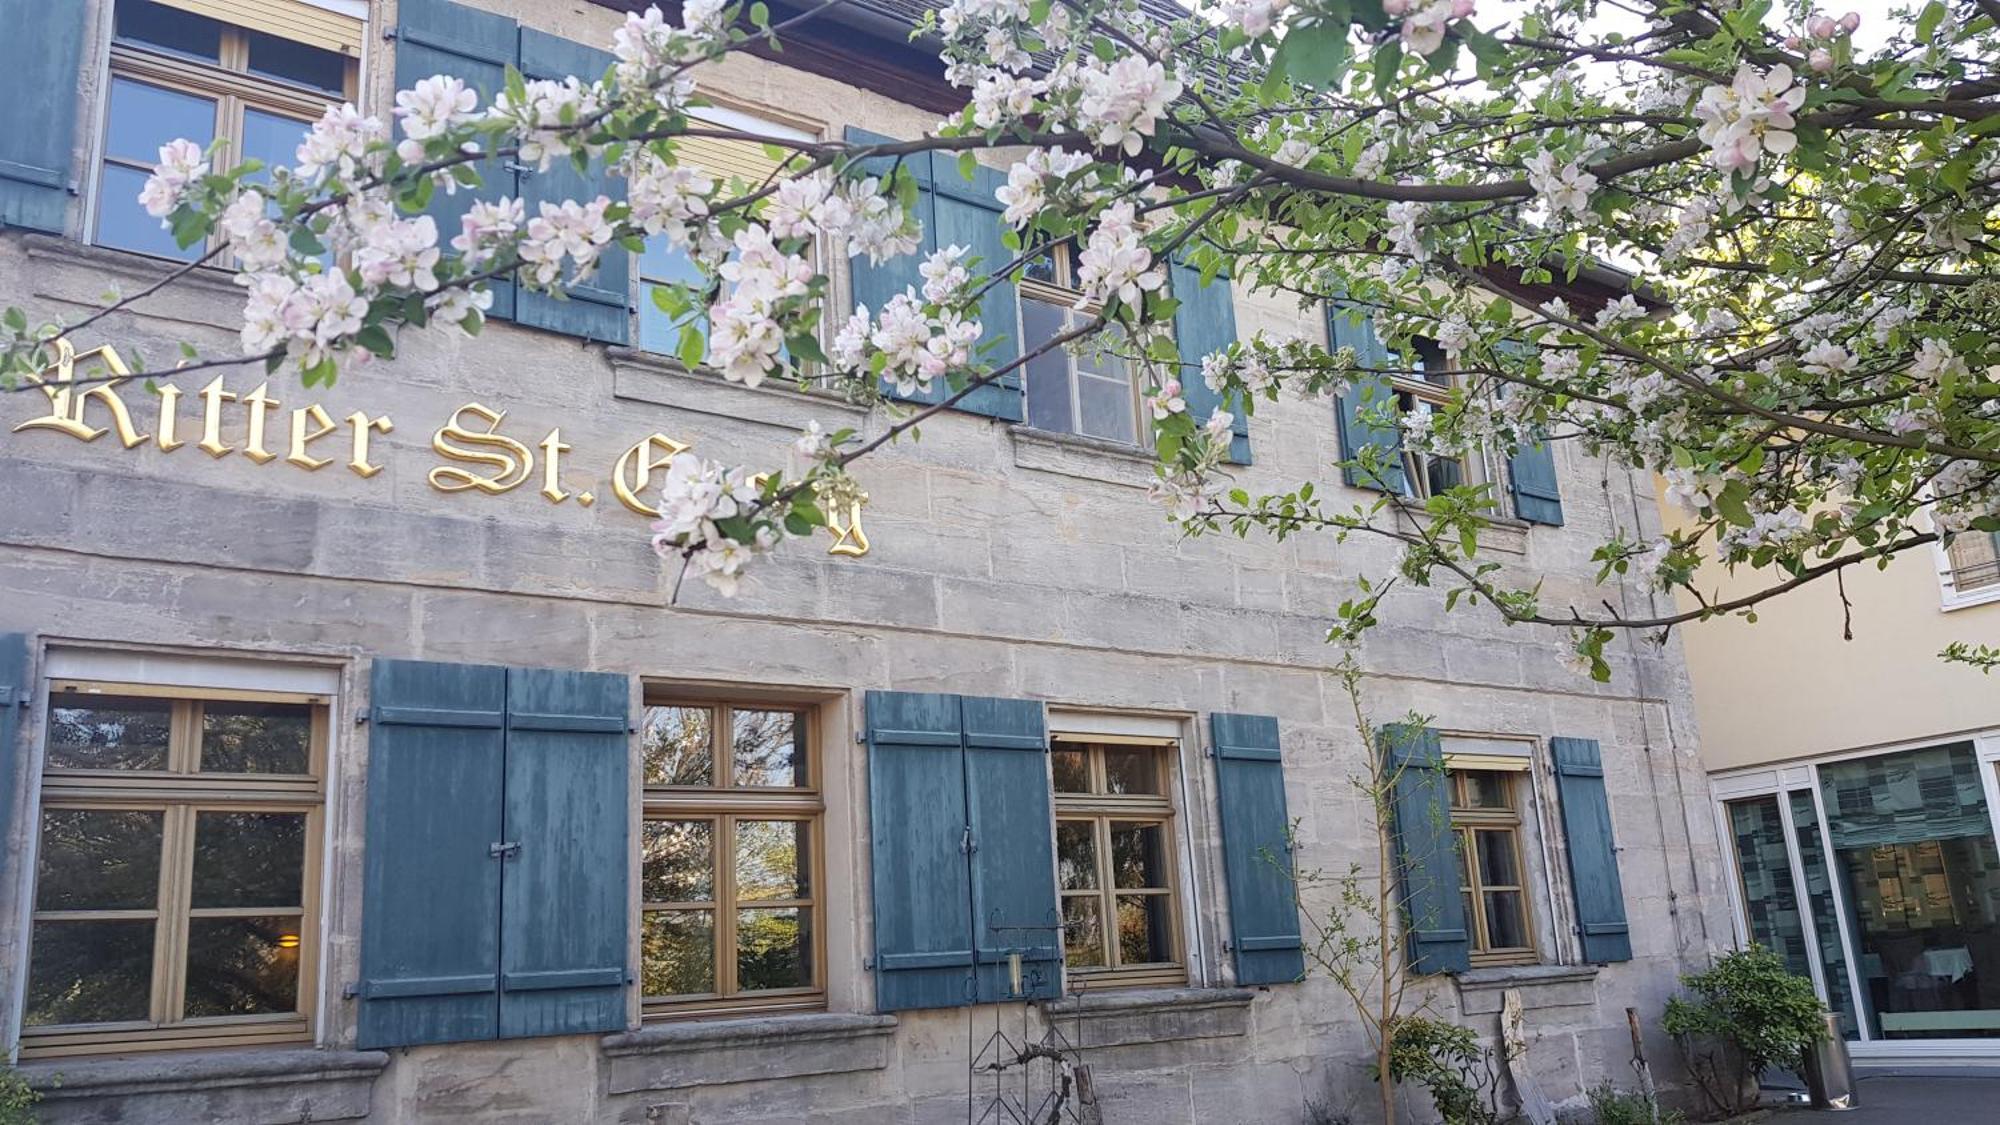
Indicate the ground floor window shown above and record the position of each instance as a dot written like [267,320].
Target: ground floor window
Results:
[729,855]
[1115,860]
[1486,817]
[176,869]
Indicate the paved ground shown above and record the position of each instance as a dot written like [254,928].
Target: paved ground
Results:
[1903,1098]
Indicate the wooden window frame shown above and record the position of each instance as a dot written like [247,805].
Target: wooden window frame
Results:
[1413,389]
[1466,820]
[1063,293]
[228,82]
[179,793]
[1101,809]
[723,805]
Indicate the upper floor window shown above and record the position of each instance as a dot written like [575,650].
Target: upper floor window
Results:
[1114,859]
[1425,387]
[1486,818]
[730,895]
[177,73]
[176,869]
[1972,567]
[671,304]
[1090,391]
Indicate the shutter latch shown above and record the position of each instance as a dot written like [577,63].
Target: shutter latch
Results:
[965,845]
[504,849]
[519,168]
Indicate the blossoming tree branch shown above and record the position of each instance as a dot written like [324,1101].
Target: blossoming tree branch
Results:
[1806,353]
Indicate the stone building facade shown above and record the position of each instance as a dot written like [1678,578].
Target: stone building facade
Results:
[308,708]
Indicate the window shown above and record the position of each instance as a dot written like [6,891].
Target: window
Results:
[1972,564]
[1114,859]
[1423,389]
[730,858]
[662,267]
[175,73]
[1089,392]
[1486,816]
[176,870]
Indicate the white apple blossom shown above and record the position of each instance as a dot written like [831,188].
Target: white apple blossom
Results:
[1751,115]
[544,116]
[1254,17]
[665,198]
[880,229]
[1565,187]
[944,274]
[252,235]
[338,144]
[1827,358]
[998,99]
[1122,102]
[1025,193]
[578,232]
[1936,362]
[1114,262]
[435,105]
[1404,220]
[462,306]
[488,227]
[402,252]
[850,345]
[1423,29]
[1168,401]
[920,349]
[181,164]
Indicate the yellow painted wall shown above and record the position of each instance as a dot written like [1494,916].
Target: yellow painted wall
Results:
[1789,687]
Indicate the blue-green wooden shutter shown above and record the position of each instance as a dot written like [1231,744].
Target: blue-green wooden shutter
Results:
[599,306]
[14,695]
[1013,857]
[1205,323]
[1427,861]
[874,284]
[41,62]
[1593,851]
[1531,475]
[438,37]
[430,892]
[1349,327]
[1256,849]
[563,908]
[918,840]
[966,212]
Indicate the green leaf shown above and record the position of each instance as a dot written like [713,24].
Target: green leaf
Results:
[1314,55]
[760,14]
[693,347]
[1928,21]
[376,339]
[305,243]
[1388,61]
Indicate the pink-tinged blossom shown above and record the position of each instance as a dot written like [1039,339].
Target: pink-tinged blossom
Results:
[921,350]
[435,106]
[1751,115]
[545,115]
[1168,401]
[1025,193]
[998,99]
[1114,262]
[181,164]
[1936,362]
[1253,17]
[1423,28]
[402,252]
[881,229]
[253,236]
[1123,101]
[340,143]
[1827,358]
[464,307]
[665,198]
[849,349]
[567,230]
[487,227]
[944,274]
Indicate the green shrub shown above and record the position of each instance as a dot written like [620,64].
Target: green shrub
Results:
[1448,1062]
[1609,1106]
[17,1098]
[1744,1014]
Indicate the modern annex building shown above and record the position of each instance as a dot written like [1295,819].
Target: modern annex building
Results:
[1857,789]
[356,763]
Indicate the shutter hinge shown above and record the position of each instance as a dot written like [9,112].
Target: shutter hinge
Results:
[361,716]
[350,990]
[868,963]
[503,849]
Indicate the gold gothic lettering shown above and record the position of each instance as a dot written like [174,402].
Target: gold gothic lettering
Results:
[511,460]
[633,473]
[316,414]
[67,406]
[482,458]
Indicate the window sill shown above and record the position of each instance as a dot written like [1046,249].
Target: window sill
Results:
[1504,534]
[672,1056]
[304,1084]
[640,376]
[1086,458]
[1481,991]
[1116,1017]
[56,276]
[1984,596]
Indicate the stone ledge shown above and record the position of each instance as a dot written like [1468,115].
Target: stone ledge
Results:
[1085,458]
[301,1084]
[1542,986]
[638,376]
[673,1056]
[1115,1018]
